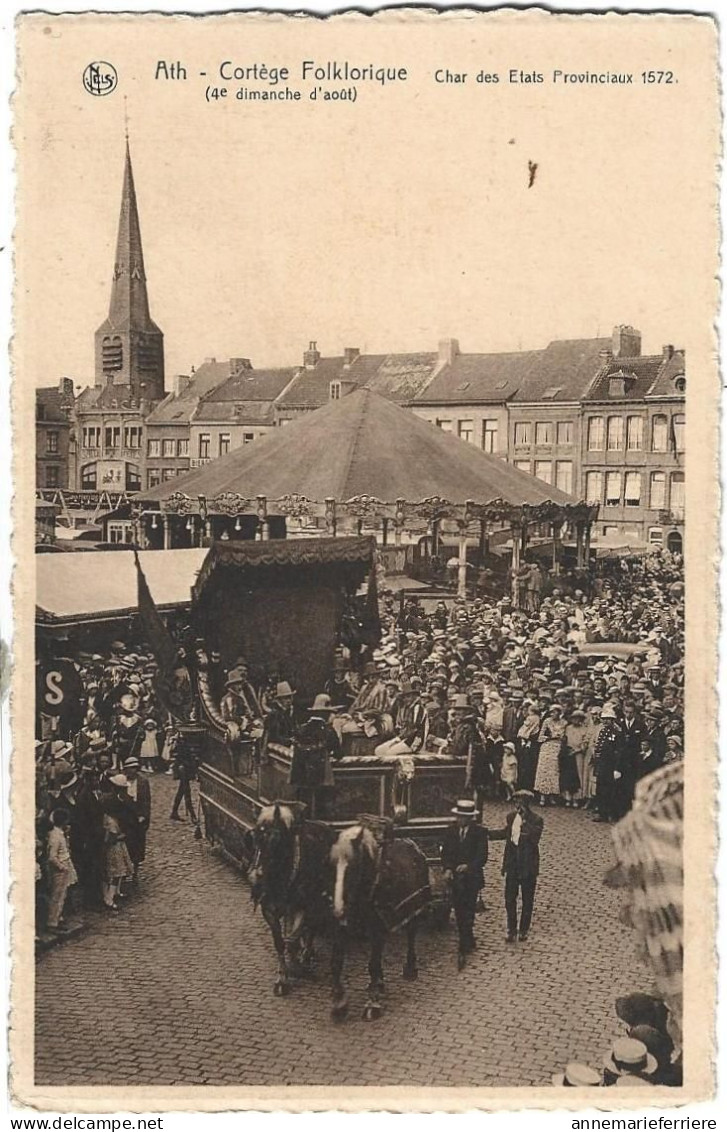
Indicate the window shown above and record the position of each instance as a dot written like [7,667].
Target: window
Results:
[224,443]
[564,476]
[658,434]
[655,536]
[52,476]
[544,432]
[522,434]
[182,448]
[613,489]
[153,477]
[335,391]
[524,466]
[489,435]
[168,449]
[132,436]
[615,441]
[544,470]
[133,479]
[676,505]
[51,443]
[91,436]
[154,448]
[248,437]
[204,446]
[594,487]
[565,432]
[635,434]
[595,434]
[632,489]
[677,424]
[611,531]
[657,494]
[112,436]
[680,383]
[446,426]
[168,474]
[466,430]
[116,532]
[88,478]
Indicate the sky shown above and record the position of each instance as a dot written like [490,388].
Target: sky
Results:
[385,225]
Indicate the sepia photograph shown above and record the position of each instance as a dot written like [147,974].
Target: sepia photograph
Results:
[365,586]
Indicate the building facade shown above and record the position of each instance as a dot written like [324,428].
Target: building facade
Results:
[238,411]
[632,447]
[108,436]
[53,417]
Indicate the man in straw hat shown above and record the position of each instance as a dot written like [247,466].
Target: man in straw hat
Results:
[280,720]
[314,745]
[464,855]
[520,862]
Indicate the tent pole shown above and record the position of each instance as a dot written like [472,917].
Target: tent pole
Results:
[167,525]
[462,567]
[517,536]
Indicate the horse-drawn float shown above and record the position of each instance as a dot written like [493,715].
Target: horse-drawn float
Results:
[284,606]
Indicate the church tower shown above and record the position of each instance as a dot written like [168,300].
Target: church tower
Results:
[129,345]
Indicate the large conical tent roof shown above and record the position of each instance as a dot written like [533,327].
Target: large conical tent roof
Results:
[362,444]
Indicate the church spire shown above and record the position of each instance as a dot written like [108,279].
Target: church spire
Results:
[129,345]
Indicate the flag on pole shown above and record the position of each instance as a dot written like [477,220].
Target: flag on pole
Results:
[173,683]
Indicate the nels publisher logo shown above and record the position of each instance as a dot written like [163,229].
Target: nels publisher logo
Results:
[100,78]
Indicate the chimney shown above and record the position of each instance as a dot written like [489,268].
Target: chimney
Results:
[180,383]
[237,365]
[210,361]
[626,342]
[668,352]
[606,356]
[349,355]
[448,350]
[65,387]
[311,356]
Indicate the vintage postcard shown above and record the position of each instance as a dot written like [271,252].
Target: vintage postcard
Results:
[365,417]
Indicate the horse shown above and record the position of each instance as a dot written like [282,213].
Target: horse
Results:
[291,880]
[380,885]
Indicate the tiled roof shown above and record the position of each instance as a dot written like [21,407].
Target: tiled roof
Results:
[234,412]
[641,374]
[51,402]
[563,371]
[400,377]
[673,367]
[479,377]
[396,376]
[106,397]
[179,408]
[252,385]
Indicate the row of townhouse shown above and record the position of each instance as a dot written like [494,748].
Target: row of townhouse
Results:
[593,416]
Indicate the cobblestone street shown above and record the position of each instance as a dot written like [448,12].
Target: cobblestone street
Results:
[177,989]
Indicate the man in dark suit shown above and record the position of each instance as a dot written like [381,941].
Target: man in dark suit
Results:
[633,733]
[464,854]
[138,814]
[520,862]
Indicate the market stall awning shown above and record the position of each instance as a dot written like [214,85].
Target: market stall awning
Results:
[361,445]
[76,588]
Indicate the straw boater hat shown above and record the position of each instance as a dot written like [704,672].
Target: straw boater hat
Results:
[465,808]
[577,1075]
[322,703]
[121,780]
[131,763]
[628,1055]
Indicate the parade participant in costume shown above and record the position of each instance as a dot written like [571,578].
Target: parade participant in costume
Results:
[369,709]
[315,744]
[184,770]
[139,793]
[464,855]
[411,724]
[280,720]
[520,862]
[339,687]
